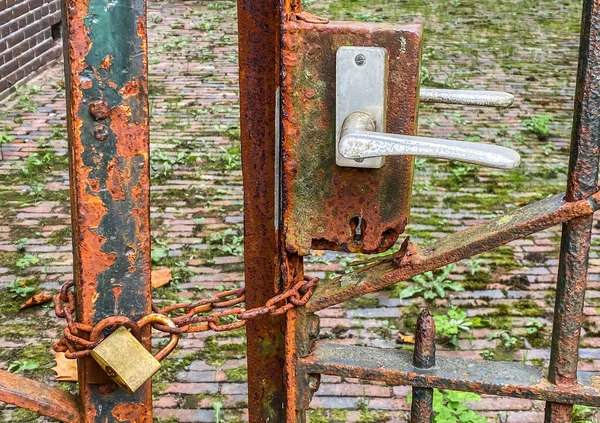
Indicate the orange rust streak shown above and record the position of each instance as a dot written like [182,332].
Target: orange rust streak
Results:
[114,184]
[132,137]
[106,62]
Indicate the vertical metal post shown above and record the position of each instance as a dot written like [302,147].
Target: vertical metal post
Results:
[421,410]
[259,59]
[107,105]
[576,234]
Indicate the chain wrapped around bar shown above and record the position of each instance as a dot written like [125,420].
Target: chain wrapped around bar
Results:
[198,316]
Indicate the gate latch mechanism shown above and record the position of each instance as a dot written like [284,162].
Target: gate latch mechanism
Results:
[361,103]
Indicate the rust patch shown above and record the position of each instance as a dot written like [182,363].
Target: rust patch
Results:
[132,413]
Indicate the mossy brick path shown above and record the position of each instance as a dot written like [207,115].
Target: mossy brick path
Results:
[525,48]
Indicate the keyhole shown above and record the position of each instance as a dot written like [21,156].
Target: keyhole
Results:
[358,226]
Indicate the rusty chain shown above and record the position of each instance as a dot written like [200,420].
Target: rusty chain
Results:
[77,341]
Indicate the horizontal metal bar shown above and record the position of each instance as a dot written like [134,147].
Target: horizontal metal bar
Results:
[395,367]
[466,97]
[35,396]
[412,260]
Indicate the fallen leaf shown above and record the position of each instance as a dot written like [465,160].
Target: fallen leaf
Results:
[37,299]
[160,277]
[407,339]
[66,368]
[317,252]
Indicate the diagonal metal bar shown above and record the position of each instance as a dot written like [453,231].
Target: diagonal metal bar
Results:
[576,234]
[411,260]
[35,396]
[395,367]
[107,89]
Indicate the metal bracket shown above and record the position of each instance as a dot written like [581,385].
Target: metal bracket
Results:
[361,86]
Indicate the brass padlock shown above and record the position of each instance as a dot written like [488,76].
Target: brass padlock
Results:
[125,359]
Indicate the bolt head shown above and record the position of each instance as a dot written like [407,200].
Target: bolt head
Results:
[360,59]
[99,109]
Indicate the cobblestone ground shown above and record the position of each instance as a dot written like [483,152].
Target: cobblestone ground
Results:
[524,47]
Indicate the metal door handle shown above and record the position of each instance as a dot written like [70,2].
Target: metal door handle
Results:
[359,141]
[466,97]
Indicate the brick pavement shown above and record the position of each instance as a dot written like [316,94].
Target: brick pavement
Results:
[525,49]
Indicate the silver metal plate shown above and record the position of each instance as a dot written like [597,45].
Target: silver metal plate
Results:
[361,86]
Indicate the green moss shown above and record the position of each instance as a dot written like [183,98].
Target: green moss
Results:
[321,415]
[61,236]
[362,302]
[526,308]
[238,374]
[492,322]
[501,257]
[476,282]
[11,330]
[21,415]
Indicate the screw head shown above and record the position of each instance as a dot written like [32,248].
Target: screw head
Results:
[360,59]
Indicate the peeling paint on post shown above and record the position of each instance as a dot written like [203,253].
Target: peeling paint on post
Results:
[107,98]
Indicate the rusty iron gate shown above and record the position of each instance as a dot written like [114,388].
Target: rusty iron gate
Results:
[313,95]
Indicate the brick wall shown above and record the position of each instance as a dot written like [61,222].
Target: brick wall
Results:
[29,39]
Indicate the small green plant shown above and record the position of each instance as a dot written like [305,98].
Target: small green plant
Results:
[475,265]
[163,165]
[449,325]
[20,243]
[584,414]
[26,261]
[487,354]
[534,327]
[158,254]
[230,242]
[451,407]
[4,139]
[217,406]
[21,366]
[20,288]
[506,339]
[24,100]
[432,286]
[538,125]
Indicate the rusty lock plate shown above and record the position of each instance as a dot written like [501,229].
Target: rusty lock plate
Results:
[325,206]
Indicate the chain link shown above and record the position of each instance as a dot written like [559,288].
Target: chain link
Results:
[213,313]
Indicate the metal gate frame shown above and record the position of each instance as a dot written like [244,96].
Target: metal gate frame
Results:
[106,73]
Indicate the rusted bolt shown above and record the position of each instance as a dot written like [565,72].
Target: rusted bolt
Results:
[101,132]
[99,109]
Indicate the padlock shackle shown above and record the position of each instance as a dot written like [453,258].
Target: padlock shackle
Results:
[96,335]
[164,320]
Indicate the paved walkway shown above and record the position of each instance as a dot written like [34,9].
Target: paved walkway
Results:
[524,48]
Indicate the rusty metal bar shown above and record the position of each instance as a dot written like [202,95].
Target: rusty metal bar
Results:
[35,396]
[576,234]
[107,99]
[395,367]
[410,260]
[259,59]
[421,409]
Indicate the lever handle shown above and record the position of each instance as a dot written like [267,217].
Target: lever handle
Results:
[358,141]
[466,97]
